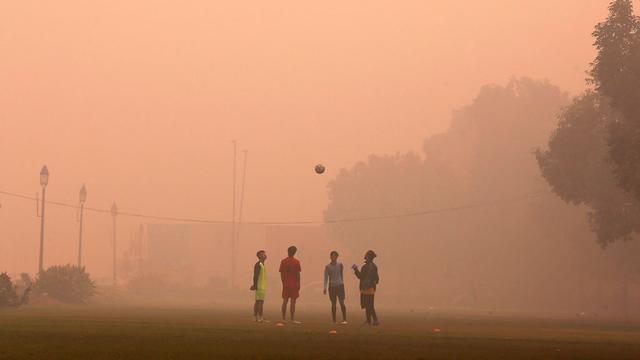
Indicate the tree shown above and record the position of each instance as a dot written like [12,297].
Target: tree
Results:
[578,168]
[9,294]
[485,157]
[615,73]
[67,283]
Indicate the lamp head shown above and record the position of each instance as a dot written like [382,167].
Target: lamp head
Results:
[83,194]
[44,176]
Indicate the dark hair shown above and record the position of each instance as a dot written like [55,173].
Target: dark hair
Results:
[259,252]
[334,252]
[370,255]
[292,250]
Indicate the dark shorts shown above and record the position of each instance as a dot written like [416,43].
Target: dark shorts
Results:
[336,292]
[367,301]
[290,293]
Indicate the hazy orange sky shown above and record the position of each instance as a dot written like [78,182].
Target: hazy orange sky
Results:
[141,99]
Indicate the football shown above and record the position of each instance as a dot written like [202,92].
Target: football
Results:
[319,169]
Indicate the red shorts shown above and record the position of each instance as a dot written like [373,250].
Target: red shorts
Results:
[290,293]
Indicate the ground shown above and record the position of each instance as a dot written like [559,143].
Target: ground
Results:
[153,332]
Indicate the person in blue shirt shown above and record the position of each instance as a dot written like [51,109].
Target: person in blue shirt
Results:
[333,277]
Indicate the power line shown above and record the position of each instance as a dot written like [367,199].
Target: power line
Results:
[310,222]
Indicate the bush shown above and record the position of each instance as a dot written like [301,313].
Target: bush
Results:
[9,294]
[66,283]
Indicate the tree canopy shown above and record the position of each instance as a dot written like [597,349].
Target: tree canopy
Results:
[577,165]
[615,73]
[593,157]
[483,234]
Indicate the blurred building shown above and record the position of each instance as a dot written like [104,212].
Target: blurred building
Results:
[201,253]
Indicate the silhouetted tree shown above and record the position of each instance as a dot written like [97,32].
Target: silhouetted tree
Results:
[486,156]
[579,170]
[9,294]
[615,72]
[594,154]
[67,283]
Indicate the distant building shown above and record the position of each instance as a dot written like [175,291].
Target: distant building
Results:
[201,253]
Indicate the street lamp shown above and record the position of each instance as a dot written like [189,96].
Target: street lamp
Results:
[114,214]
[83,199]
[44,181]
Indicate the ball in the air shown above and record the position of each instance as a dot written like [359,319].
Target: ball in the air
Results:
[319,169]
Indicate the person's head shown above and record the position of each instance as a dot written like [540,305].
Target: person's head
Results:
[292,250]
[262,255]
[370,255]
[334,256]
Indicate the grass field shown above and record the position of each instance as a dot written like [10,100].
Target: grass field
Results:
[128,332]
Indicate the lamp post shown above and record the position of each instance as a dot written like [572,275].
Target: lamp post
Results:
[44,181]
[114,214]
[83,199]
[233,216]
[239,223]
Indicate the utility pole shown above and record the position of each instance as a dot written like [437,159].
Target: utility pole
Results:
[244,175]
[83,199]
[44,181]
[233,216]
[114,215]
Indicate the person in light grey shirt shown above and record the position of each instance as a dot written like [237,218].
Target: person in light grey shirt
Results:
[333,277]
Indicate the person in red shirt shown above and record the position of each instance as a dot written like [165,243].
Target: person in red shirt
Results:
[290,275]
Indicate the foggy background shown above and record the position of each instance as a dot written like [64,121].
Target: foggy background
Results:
[141,102]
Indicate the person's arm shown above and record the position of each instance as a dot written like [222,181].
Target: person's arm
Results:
[375,276]
[281,273]
[256,276]
[298,271]
[357,272]
[326,279]
[342,273]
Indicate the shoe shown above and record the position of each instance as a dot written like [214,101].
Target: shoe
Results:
[297,322]
[344,322]
[265,321]
[375,323]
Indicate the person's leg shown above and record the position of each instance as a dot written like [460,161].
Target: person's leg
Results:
[373,310]
[333,295]
[333,309]
[363,305]
[367,307]
[256,311]
[260,309]
[284,308]
[293,309]
[343,308]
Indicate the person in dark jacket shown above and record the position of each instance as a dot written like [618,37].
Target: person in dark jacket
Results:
[369,279]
